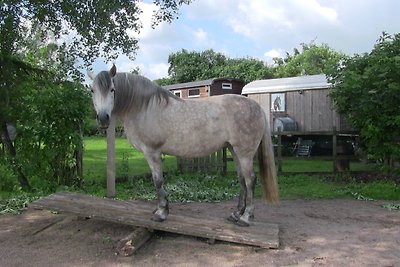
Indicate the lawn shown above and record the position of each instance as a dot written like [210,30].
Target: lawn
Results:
[133,170]
[134,181]
[129,161]
[315,165]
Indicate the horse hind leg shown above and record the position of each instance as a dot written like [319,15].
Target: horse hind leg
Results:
[162,210]
[235,215]
[249,180]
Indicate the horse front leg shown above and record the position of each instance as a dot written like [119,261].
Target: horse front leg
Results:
[155,163]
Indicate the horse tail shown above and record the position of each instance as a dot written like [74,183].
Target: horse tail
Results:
[266,161]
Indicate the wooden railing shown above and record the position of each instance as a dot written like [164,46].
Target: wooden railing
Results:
[340,162]
[214,163]
[217,162]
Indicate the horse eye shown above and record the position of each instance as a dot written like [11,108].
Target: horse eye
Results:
[112,90]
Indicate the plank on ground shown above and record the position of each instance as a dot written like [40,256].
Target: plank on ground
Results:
[139,213]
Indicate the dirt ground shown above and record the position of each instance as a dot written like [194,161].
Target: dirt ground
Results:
[312,233]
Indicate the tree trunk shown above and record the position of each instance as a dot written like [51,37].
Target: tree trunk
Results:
[9,147]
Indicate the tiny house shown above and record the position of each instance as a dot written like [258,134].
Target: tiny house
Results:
[297,103]
[206,88]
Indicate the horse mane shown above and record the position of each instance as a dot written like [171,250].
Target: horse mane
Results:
[133,92]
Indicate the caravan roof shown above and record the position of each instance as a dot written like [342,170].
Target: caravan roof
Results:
[308,82]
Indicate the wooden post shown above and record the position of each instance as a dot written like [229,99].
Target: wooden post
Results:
[213,165]
[111,159]
[179,164]
[79,158]
[279,150]
[219,161]
[225,161]
[334,149]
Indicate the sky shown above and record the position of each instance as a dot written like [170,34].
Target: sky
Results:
[260,29]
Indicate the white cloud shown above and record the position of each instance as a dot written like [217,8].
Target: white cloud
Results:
[254,19]
[242,28]
[124,64]
[145,19]
[158,70]
[273,53]
[263,20]
[200,35]
[155,44]
[209,9]
[320,12]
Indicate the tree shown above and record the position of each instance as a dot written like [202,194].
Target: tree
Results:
[246,69]
[50,125]
[312,59]
[191,66]
[91,28]
[367,89]
[64,32]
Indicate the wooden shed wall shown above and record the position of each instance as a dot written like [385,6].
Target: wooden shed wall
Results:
[185,91]
[312,110]
[216,88]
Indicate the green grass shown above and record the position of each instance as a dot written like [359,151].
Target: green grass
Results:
[134,182]
[312,165]
[319,187]
[200,187]
[309,187]
[129,161]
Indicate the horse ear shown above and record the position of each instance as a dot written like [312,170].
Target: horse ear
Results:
[113,71]
[90,74]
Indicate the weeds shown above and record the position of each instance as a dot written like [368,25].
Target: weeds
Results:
[16,204]
[391,206]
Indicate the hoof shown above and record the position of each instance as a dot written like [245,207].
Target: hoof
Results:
[157,218]
[160,215]
[234,217]
[242,223]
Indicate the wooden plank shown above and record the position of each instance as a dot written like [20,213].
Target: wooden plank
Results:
[138,214]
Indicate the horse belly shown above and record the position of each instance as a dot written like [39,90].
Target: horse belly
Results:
[193,145]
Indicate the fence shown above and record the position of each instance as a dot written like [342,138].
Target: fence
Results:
[217,162]
[340,162]
[214,163]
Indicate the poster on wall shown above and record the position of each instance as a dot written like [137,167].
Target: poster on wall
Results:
[278,102]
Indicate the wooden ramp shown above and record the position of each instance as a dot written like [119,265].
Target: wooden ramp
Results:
[138,214]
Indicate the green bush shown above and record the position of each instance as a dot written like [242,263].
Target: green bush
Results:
[50,124]
[8,180]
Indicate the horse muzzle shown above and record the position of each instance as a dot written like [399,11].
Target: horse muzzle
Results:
[103,120]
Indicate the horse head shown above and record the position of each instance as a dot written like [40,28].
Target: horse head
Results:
[103,95]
